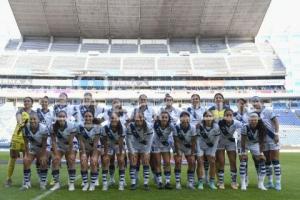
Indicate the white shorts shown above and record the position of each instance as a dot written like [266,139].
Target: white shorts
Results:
[184,150]
[253,148]
[160,149]
[226,144]
[114,150]
[271,146]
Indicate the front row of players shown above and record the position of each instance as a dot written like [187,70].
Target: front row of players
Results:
[199,144]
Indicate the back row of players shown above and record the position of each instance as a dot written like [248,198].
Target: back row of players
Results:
[101,135]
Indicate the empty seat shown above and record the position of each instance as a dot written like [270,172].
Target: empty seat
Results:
[154,48]
[65,45]
[213,46]
[39,44]
[12,45]
[86,47]
[124,48]
[178,45]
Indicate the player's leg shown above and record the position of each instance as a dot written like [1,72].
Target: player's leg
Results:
[71,159]
[105,166]
[220,160]
[145,157]
[56,161]
[13,156]
[177,170]
[191,171]
[112,169]
[269,171]
[167,169]
[156,158]
[243,171]
[27,160]
[84,170]
[233,169]
[200,171]
[94,162]
[133,162]
[121,165]
[274,156]
[212,171]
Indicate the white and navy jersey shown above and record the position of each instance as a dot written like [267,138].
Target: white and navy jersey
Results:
[35,140]
[185,135]
[208,135]
[89,135]
[174,114]
[149,113]
[251,134]
[196,114]
[45,118]
[241,117]
[163,136]
[69,109]
[80,110]
[63,134]
[228,132]
[137,137]
[113,137]
[267,115]
[123,116]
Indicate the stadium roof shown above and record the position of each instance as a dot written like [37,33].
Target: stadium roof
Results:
[139,18]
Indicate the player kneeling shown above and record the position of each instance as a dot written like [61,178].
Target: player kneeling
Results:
[252,138]
[115,133]
[89,137]
[185,144]
[35,138]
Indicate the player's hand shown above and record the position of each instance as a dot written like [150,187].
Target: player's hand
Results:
[276,139]
[262,157]
[84,157]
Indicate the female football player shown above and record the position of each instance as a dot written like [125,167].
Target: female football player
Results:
[253,136]
[229,128]
[271,147]
[196,110]
[139,139]
[62,136]
[208,134]
[17,141]
[89,137]
[35,139]
[161,147]
[185,144]
[115,133]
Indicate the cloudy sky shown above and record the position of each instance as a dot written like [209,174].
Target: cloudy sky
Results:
[283,16]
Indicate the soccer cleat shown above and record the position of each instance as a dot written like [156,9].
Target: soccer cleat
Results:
[146,187]
[111,181]
[191,186]
[55,187]
[269,185]
[277,186]
[24,187]
[261,186]
[85,187]
[8,183]
[92,187]
[42,186]
[200,186]
[243,186]
[160,186]
[178,186]
[168,186]
[212,185]
[97,182]
[235,186]
[133,187]
[71,187]
[221,186]
[52,182]
[105,187]
[121,186]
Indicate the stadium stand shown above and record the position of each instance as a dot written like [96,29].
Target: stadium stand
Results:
[65,45]
[12,45]
[213,46]
[181,45]
[35,43]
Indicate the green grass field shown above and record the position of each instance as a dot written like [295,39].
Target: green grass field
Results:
[290,187]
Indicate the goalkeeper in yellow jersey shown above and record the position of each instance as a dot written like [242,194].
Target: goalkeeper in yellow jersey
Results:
[17,141]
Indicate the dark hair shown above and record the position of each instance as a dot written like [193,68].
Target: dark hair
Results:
[63,93]
[197,95]
[167,96]
[31,99]
[34,114]
[262,130]
[87,94]
[158,121]
[204,114]
[219,95]
[144,121]
[45,97]
[143,95]
[56,124]
[228,110]
[184,113]
[119,125]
